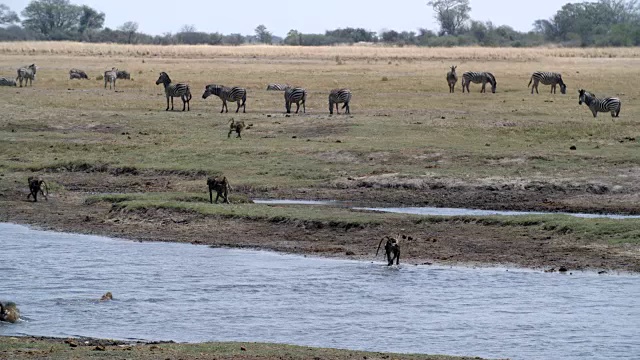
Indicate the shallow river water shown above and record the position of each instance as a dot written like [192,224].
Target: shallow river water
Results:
[189,293]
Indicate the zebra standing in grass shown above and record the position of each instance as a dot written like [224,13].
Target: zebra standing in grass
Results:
[479,78]
[110,77]
[612,105]
[547,78]
[175,90]
[234,94]
[7,82]
[278,87]
[123,74]
[452,79]
[27,73]
[295,95]
[339,96]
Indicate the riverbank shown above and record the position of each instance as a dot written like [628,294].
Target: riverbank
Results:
[27,348]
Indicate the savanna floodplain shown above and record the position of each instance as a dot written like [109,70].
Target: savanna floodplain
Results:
[118,164]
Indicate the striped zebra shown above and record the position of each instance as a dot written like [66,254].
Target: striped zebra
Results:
[278,87]
[7,82]
[77,74]
[339,96]
[295,95]
[234,94]
[452,79]
[596,105]
[110,77]
[479,78]
[27,73]
[123,74]
[547,78]
[175,90]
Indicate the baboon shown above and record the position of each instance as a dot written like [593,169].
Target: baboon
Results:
[77,74]
[123,74]
[236,126]
[392,248]
[9,312]
[37,185]
[106,297]
[221,187]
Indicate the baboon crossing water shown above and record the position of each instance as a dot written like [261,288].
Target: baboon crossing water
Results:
[236,126]
[392,248]
[37,185]
[221,187]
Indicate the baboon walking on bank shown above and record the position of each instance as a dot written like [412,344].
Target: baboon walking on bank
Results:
[392,248]
[37,185]
[236,126]
[221,187]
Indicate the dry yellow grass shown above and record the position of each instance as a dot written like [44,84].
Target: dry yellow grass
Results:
[356,52]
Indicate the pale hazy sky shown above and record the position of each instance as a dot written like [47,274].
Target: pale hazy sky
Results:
[308,16]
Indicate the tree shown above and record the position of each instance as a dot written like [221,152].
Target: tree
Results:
[294,37]
[188,29]
[7,17]
[263,35]
[130,28]
[51,18]
[90,20]
[451,14]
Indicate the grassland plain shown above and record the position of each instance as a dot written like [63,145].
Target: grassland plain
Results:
[407,142]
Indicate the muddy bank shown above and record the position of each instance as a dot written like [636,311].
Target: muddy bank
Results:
[448,241]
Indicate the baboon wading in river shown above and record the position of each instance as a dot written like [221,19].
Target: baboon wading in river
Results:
[9,312]
[37,185]
[392,248]
[221,187]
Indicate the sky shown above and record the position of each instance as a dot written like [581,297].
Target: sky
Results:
[307,16]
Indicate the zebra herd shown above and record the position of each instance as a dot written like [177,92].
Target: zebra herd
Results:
[595,104]
[298,95]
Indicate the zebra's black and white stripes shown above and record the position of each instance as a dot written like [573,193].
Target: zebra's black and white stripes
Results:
[479,78]
[596,105]
[27,73]
[234,94]
[339,96]
[452,79]
[547,78]
[175,90]
[110,77]
[77,74]
[7,82]
[295,95]
[278,87]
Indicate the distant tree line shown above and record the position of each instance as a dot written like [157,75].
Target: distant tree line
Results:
[599,23]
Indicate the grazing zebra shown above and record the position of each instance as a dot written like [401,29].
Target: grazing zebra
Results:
[175,90]
[452,79]
[110,77]
[27,73]
[228,94]
[77,74]
[339,96]
[596,105]
[7,82]
[123,74]
[547,78]
[295,95]
[278,87]
[479,77]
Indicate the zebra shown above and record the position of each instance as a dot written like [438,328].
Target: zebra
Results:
[597,105]
[77,74]
[452,79]
[295,95]
[278,87]
[339,96]
[7,82]
[479,77]
[174,90]
[123,74]
[547,78]
[110,77]
[27,73]
[227,94]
